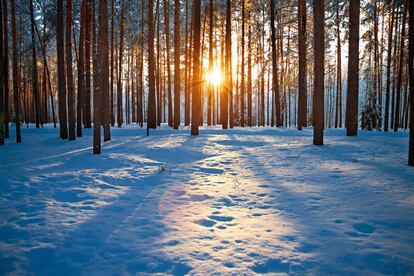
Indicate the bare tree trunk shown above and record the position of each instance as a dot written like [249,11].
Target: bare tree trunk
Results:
[338,106]
[2,79]
[5,68]
[411,79]
[242,85]
[151,113]
[229,66]
[400,69]
[318,70]
[61,70]
[81,68]
[195,116]
[103,68]
[167,49]
[69,73]
[186,73]
[210,64]
[274,63]
[119,116]
[35,87]
[353,70]
[112,61]
[249,76]
[15,73]
[388,82]
[86,99]
[177,75]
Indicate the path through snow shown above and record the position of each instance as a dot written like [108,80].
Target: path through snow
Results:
[241,201]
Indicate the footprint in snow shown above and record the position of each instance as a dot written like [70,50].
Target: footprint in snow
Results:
[221,218]
[364,228]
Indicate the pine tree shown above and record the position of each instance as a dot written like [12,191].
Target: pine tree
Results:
[196,82]
[177,72]
[151,111]
[353,69]
[302,92]
[318,69]
[15,65]
[69,73]
[411,79]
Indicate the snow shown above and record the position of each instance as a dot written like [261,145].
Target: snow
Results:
[241,201]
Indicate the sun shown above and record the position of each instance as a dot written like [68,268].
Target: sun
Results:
[214,77]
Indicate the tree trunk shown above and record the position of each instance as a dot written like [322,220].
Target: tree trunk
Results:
[86,99]
[2,79]
[177,75]
[274,64]
[411,79]
[5,68]
[195,115]
[167,49]
[242,85]
[388,82]
[338,105]
[249,77]
[119,85]
[400,69]
[353,70]
[318,70]
[81,64]
[210,64]
[35,85]
[229,65]
[61,70]
[151,113]
[111,106]
[69,73]
[103,68]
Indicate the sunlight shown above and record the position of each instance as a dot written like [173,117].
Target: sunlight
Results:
[214,77]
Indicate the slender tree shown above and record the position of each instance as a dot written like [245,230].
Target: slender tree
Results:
[35,85]
[5,68]
[2,80]
[69,73]
[151,111]
[318,69]
[242,78]
[81,63]
[275,86]
[61,70]
[167,49]
[15,65]
[302,93]
[197,68]
[103,68]
[121,50]
[353,69]
[411,79]
[177,75]
[389,54]
[400,69]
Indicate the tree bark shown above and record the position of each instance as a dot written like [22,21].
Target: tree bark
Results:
[318,70]
[177,75]
[195,116]
[69,73]
[5,69]
[151,116]
[2,79]
[60,48]
[411,79]
[274,64]
[353,70]
[400,69]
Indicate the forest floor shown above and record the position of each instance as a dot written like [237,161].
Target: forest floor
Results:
[239,201]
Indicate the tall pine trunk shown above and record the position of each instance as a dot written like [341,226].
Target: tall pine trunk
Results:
[151,111]
[411,79]
[318,70]
[275,87]
[196,82]
[60,48]
[177,75]
[353,70]
[69,73]
[400,69]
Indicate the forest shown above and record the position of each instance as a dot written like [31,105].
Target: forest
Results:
[253,106]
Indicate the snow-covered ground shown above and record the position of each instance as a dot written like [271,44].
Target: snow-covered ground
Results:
[240,201]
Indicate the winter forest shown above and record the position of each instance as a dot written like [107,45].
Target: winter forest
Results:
[203,137]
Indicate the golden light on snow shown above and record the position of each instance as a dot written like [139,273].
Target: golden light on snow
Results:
[215,76]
